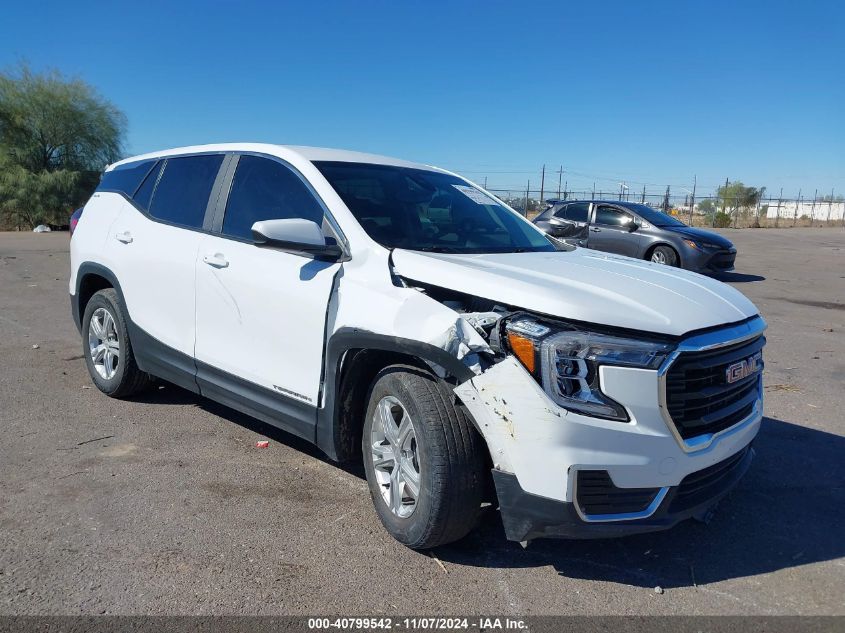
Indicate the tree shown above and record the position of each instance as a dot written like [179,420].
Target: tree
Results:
[707,206]
[737,199]
[56,136]
[736,195]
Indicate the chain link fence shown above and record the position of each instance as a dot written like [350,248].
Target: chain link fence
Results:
[703,211]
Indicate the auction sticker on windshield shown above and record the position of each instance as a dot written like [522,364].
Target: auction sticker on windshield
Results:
[475,195]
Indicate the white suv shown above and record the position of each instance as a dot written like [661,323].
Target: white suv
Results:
[396,311]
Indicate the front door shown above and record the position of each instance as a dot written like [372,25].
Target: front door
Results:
[611,231]
[261,312]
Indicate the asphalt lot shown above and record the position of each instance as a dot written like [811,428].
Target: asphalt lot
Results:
[163,505]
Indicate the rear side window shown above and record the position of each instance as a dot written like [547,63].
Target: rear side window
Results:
[183,189]
[144,195]
[264,189]
[125,178]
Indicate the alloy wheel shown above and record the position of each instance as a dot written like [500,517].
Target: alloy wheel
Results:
[396,463]
[103,343]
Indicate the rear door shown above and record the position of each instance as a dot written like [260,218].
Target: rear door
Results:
[261,312]
[611,231]
[154,245]
[572,221]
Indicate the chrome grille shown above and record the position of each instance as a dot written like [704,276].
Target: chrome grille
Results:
[699,398]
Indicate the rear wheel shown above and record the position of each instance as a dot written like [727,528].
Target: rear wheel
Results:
[423,459]
[107,349]
[664,255]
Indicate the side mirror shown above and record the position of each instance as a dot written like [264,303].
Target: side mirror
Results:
[298,236]
[633,226]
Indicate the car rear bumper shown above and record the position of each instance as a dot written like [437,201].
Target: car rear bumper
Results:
[526,516]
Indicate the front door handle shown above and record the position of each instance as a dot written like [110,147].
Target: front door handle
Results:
[595,229]
[125,237]
[217,260]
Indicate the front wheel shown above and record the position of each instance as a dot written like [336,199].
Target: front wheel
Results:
[423,459]
[664,255]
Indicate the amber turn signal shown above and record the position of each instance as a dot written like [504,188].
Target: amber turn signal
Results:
[523,349]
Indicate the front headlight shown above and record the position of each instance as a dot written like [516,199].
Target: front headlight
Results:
[702,246]
[565,360]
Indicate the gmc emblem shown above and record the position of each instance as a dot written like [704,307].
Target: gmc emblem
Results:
[743,368]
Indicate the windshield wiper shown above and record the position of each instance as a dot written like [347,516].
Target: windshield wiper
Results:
[435,249]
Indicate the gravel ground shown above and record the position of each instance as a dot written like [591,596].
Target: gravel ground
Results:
[163,505]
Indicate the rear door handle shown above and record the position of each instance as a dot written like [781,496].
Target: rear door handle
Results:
[217,260]
[595,229]
[125,237]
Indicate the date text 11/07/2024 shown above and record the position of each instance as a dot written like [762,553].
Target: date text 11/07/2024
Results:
[422,623]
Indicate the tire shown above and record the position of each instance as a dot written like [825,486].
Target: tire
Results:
[664,255]
[443,449]
[107,349]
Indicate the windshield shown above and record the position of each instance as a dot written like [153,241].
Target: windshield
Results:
[422,210]
[658,218]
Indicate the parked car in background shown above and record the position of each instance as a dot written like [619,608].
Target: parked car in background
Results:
[398,314]
[74,220]
[637,230]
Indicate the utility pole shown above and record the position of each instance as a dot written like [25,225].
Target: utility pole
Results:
[559,178]
[485,182]
[813,207]
[565,189]
[527,189]
[594,191]
[797,204]
[724,201]
[666,200]
[692,200]
[643,200]
[780,200]
[542,186]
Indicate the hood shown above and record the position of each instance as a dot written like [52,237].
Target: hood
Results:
[585,285]
[701,235]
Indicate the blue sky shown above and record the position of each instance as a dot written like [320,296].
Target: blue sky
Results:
[635,91]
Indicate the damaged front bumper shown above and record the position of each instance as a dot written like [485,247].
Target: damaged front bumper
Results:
[527,517]
[563,474]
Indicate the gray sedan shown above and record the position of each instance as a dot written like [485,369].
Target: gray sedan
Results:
[637,230]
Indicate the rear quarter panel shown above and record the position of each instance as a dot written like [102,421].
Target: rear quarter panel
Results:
[89,239]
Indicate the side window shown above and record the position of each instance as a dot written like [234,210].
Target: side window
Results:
[578,211]
[183,189]
[125,178]
[561,211]
[144,195]
[611,216]
[264,189]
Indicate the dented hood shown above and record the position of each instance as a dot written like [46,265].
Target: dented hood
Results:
[585,285]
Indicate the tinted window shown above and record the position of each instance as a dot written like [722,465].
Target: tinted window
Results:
[125,178]
[145,192]
[612,216]
[264,189]
[427,210]
[183,189]
[578,211]
[655,216]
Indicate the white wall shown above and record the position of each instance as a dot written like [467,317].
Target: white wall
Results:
[821,210]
